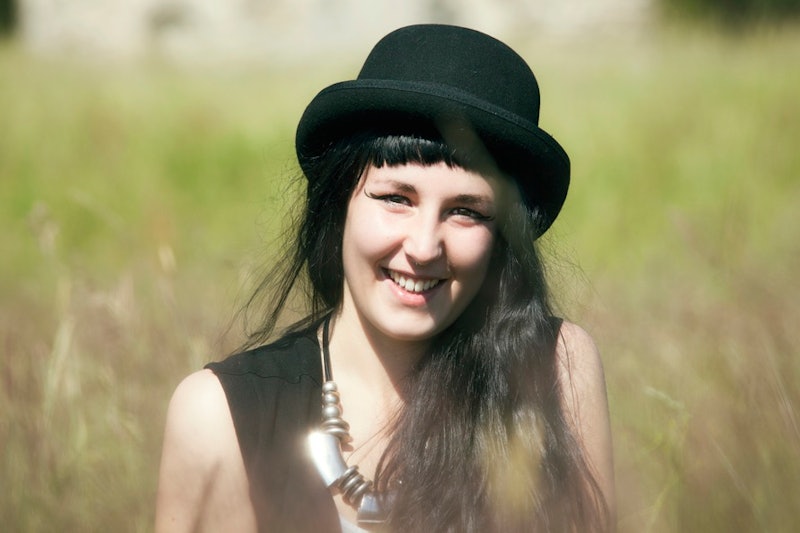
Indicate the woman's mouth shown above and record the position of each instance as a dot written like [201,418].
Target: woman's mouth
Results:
[416,285]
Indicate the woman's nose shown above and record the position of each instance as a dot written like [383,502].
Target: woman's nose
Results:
[423,242]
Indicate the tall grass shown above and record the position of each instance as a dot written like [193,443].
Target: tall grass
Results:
[135,203]
[684,216]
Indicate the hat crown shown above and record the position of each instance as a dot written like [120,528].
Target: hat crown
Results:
[462,86]
[458,60]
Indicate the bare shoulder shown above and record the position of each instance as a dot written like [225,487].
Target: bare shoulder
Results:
[200,457]
[198,418]
[581,377]
[585,402]
[580,365]
[197,403]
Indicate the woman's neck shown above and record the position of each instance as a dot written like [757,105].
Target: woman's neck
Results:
[369,361]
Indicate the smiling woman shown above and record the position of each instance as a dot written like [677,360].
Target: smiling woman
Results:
[465,403]
[410,228]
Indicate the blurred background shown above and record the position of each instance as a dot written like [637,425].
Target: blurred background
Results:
[145,155]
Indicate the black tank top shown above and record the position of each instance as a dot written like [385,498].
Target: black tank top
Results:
[274,398]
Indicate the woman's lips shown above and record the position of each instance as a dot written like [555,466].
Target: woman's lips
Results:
[412,284]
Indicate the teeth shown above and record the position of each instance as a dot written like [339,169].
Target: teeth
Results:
[411,285]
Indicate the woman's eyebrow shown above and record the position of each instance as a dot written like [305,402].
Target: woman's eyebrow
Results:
[401,186]
[475,200]
[472,200]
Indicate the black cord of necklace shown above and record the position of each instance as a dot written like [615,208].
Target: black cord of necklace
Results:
[326,354]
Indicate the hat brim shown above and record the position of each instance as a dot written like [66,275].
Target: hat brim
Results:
[517,146]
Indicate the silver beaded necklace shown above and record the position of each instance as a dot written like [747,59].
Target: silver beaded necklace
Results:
[325,445]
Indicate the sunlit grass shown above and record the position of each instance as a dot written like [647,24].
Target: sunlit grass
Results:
[135,202]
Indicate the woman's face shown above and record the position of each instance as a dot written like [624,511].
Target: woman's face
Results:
[416,247]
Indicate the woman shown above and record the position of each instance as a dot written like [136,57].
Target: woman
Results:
[428,328]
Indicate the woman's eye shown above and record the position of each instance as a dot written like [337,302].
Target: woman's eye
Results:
[471,213]
[389,198]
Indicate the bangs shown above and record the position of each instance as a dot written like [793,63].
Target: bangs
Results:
[393,150]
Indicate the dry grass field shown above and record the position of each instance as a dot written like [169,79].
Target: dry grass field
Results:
[136,202]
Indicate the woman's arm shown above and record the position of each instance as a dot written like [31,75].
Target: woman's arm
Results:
[202,483]
[586,405]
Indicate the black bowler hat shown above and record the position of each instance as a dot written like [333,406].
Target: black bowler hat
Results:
[465,85]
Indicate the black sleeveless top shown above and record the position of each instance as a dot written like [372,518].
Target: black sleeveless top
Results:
[274,397]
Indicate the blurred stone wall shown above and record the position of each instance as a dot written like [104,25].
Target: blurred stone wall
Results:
[283,30]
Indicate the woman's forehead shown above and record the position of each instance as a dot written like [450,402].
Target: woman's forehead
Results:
[439,178]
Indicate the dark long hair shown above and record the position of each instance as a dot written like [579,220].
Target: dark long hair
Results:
[482,443]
